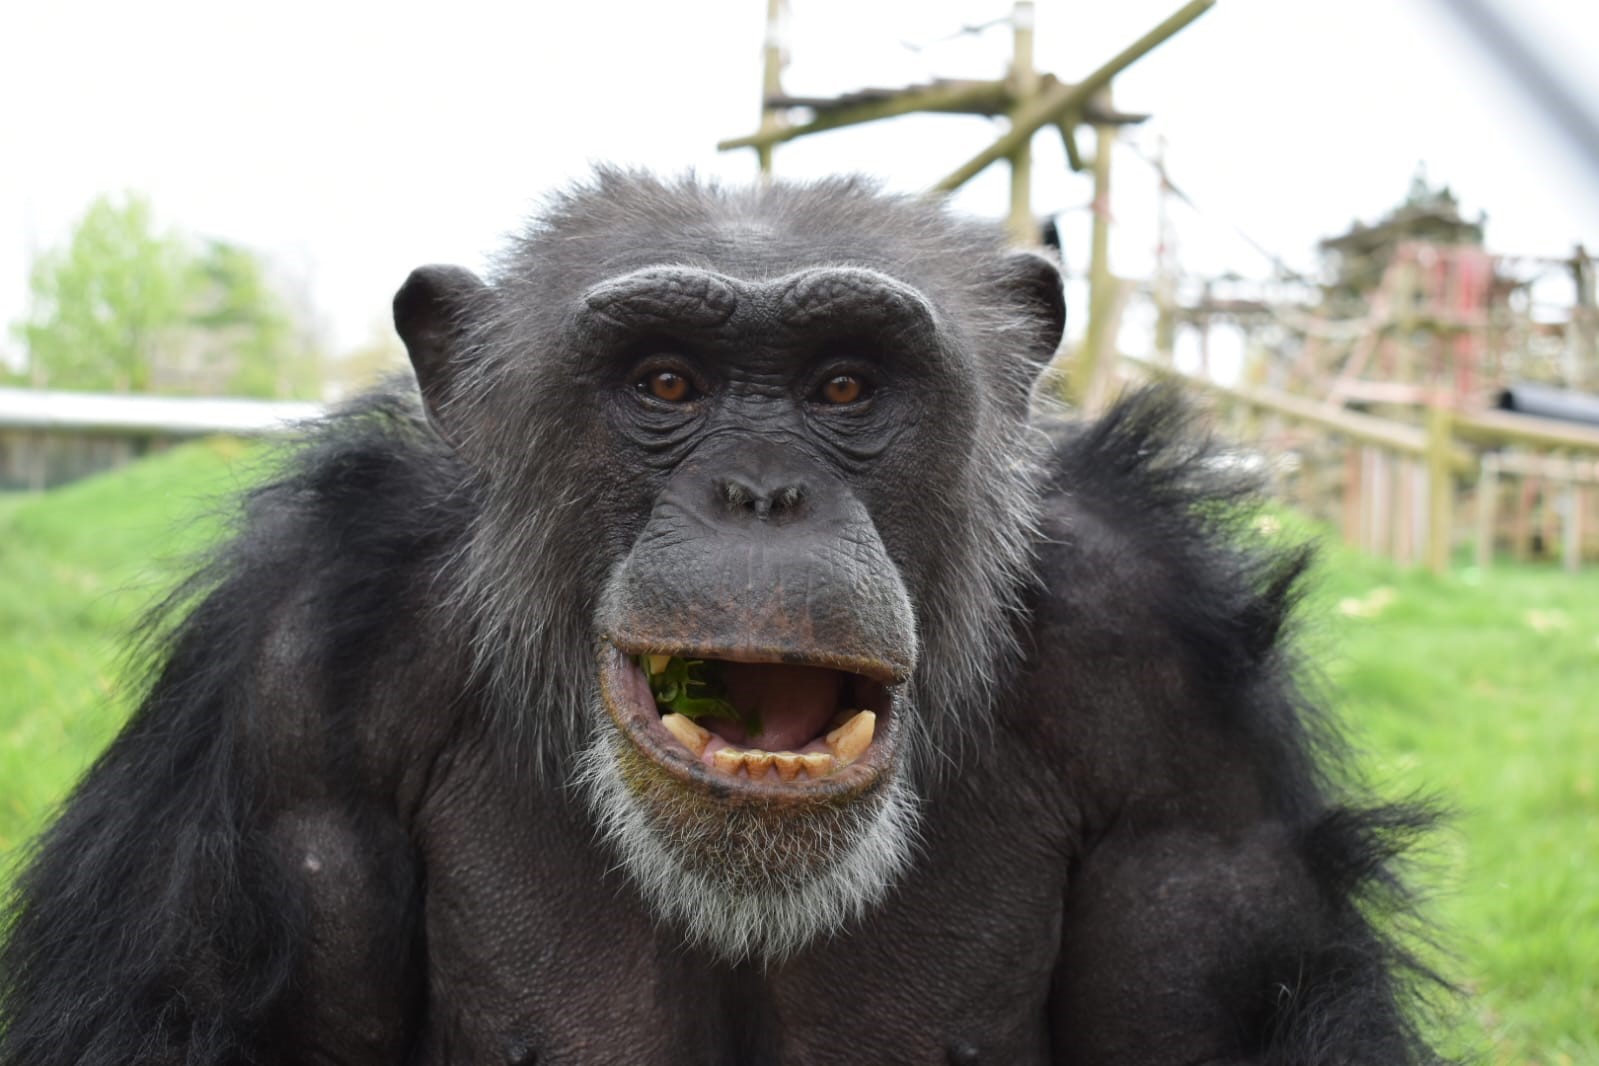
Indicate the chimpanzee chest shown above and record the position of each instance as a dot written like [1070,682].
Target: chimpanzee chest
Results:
[538,951]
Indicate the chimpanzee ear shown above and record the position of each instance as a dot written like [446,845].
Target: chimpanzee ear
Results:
[1035,287]
[430,315]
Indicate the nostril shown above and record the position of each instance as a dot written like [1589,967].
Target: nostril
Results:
[739,496]
[742,498]
[788,499]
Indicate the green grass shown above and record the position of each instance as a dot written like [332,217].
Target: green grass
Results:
[78,565]
[1482,689]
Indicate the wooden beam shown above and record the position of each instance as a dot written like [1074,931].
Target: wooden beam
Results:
[958,97]
[1498,427]
[1055,102]
[1367,429]
[818,104]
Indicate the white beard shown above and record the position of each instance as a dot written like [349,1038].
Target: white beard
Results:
[792,905]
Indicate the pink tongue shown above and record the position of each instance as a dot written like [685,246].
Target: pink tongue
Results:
[795,703]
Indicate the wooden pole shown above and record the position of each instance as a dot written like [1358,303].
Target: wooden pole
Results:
[1024,86]
[1370,498]
[1100,282]
[1165,274]
[1487,509]
[1440,486]
[1583,342]
[1352,492]
[1571,533]
[771,84]
[1521,546]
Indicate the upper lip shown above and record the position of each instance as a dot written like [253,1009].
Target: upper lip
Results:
[877,669]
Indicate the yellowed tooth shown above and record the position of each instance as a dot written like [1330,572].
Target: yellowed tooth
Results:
[850,739]
[657,663]
[683,728]
[788,764]
[728,760]
[757,762]
[841,717]
[817,764]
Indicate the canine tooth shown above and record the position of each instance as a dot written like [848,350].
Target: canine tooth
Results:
[728,760]
[850,739]
[817,764]
[692,737]
[657,663]
[788,764]
[757,762]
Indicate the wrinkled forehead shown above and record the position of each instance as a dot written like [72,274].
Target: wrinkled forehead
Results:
[694,297]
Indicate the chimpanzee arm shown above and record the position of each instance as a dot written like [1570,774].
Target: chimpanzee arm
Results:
[1221,906]
[176,913]
[1189,948]
[231,882]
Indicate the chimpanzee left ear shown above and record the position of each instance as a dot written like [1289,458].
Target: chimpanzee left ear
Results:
[1035,288]
[430,314]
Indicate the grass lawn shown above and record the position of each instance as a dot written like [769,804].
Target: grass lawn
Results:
[77,567]
[1481,689]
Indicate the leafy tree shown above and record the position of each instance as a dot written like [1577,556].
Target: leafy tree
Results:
[127,308]
[247,330]
[106,305]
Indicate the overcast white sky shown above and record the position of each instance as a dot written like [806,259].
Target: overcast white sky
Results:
[351,142]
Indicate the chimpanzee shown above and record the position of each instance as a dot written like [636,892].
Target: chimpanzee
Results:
[725,663]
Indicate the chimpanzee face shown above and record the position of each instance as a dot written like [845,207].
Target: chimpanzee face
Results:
[774,477]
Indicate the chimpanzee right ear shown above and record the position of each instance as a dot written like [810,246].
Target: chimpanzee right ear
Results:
[430,314]
[1034,284]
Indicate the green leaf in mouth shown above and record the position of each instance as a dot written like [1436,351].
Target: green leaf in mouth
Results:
[694,689]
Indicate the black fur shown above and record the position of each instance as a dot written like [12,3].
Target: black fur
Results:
[1340,983]
[310,845]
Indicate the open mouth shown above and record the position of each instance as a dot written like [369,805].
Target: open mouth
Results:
[761,726]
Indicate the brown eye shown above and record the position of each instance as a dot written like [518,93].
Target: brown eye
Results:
[667,385]
[844,389]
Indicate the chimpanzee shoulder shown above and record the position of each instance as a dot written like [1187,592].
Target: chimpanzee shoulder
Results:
[1154,573]
[338,550]
[1165,640]
[264,668]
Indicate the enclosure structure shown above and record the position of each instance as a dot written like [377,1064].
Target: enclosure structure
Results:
[1388,405]
[49,436]
[1032,101]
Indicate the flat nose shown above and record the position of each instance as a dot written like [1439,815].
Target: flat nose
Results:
[765,499]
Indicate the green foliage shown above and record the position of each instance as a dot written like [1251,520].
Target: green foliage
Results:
[127,308]
[107,308]
[691,687]
[245,322]
[1480,689]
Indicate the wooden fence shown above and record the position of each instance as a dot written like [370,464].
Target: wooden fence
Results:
[1400,487]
